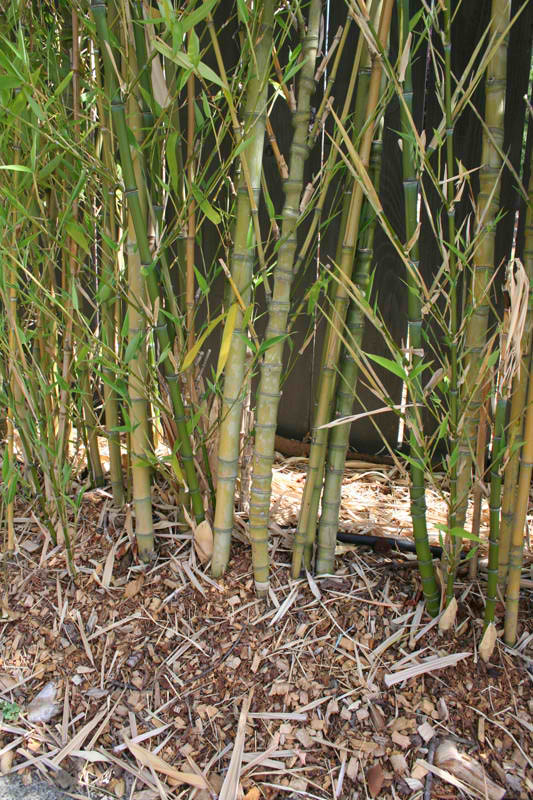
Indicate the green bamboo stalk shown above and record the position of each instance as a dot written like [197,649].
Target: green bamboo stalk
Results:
[414,421]
[498,450]
[305,533]
[268,394]
[147,265]
[349,369]
[482,270]
[241,271]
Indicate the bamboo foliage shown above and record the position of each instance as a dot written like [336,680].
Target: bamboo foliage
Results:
[241,273]
[268,394]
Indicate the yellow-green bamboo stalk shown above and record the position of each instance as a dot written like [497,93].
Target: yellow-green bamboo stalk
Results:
[518,400]
[339,436]
[269,386]
[305,533]
[241,271]
[519,521]
[482,269]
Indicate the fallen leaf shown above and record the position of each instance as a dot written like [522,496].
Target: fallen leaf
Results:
[447,620]
[203,541]
[486,646]
[149,759]
[133,587]
[375,779]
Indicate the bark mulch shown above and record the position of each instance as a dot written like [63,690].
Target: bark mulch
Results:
[163,683]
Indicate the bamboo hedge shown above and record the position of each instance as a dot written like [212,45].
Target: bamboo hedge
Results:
[153,273]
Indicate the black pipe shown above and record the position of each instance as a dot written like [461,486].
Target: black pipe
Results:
[384,544]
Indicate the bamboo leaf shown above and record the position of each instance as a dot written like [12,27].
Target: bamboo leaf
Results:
[76,232]
[229,327]
[388,364]
[458,532]
[195,349]
[192,19]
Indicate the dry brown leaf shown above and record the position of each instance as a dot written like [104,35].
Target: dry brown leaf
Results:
[149,759]
[203,541]
[375,778]
[133,587]
[486,646]
[447,620]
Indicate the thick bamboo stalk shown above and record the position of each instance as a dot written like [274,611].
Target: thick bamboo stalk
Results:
[304,537]
[241,272]
[482,270]
[137,382]
[414,421]
[268,395]
[148,267]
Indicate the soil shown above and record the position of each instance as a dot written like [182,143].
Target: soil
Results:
[150,669]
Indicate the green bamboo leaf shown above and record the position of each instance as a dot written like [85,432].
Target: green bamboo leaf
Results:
[226,338]
[15,167]
[133,347]
[389,365]
[458,532]
[192,19]
[242,11]
[172,160]
[211,213]
[76,232]
[195,349]
[9,82]
[209,75]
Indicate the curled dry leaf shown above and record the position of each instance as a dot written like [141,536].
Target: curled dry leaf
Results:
[133,587]
[488,641]
[203,541]
[447,620]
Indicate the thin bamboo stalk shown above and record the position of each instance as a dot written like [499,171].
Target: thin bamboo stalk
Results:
[305,533]
[148,267]
[482,271]
[519,521]
[518,401]
[349,370]
[268,395]
[498,449]
[414,421]
[241,272]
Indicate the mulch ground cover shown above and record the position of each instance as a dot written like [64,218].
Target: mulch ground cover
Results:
[163,683]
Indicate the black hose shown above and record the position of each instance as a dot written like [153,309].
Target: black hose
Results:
[385,543]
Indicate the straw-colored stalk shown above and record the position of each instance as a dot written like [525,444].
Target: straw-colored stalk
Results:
[242,260]
[268,395]
[518,400]
[482,270]
[305,533]
[521,499]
